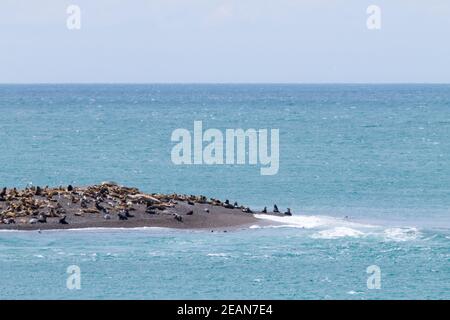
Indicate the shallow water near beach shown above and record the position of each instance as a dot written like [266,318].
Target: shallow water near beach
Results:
[379,155]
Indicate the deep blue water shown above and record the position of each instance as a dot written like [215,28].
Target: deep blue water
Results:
[379,154]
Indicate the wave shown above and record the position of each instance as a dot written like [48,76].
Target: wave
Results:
[338,232]
[334,228]
[309,222]
[402,234]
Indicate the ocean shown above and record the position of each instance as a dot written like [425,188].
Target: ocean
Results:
[364,168]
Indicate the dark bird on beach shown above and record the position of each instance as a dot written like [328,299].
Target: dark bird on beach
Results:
[264,210]
[236,204]
[190,202]
[42,219]
[288,212]
[63,220]
[275,208]
[69,188]
[178,218]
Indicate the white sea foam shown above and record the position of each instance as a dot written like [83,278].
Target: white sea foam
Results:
[402,234]
[217,255]
[333,228]
[309,222]
[338,232]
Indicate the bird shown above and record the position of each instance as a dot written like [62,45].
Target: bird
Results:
[288,212]
[264,210]
[275,209]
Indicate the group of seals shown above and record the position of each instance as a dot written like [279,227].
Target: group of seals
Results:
[276,210]
[64,205]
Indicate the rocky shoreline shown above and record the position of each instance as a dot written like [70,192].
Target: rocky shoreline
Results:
[112,206]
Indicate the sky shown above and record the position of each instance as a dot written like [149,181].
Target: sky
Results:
[224,41]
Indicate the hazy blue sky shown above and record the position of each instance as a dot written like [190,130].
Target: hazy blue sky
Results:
[224,41]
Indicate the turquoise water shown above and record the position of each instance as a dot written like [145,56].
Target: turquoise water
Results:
[378,154]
